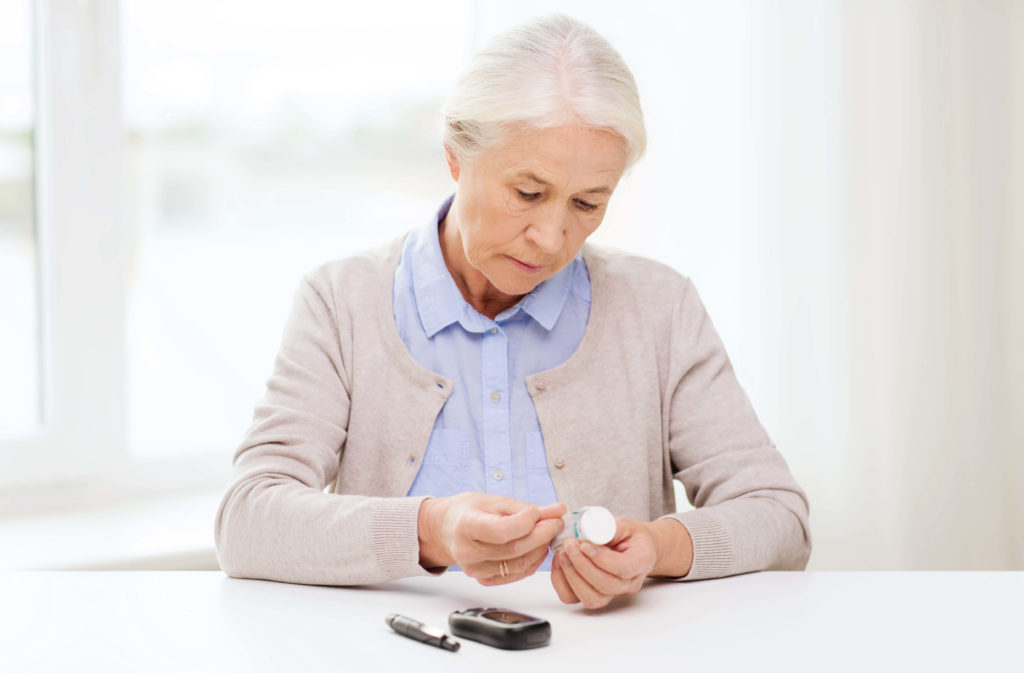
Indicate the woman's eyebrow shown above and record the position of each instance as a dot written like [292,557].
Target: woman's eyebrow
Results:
[529,175]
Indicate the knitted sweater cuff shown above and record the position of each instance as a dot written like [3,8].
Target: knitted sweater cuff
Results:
[394,538]
[712,546]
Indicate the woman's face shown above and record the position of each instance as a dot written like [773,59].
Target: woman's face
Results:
[523,209]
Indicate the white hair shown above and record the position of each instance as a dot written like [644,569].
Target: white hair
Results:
[546,73]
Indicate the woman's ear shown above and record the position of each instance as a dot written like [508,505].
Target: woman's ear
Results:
[453,163]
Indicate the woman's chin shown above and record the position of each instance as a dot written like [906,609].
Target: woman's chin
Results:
[515,291]
[516,287]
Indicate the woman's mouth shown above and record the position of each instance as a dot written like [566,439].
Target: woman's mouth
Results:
[524,267]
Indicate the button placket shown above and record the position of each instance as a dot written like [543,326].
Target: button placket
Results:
[496,435]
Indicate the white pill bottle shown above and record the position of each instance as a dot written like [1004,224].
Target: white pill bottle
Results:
[591,524]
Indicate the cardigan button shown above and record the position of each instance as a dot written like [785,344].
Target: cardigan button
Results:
[559,462]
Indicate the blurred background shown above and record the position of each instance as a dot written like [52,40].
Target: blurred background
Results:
[843,181]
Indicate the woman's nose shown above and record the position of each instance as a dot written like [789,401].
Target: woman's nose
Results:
[547,233]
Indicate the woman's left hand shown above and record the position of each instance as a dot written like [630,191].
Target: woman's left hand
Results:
[594,575]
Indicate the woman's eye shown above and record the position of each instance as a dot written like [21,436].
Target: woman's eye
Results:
[527,196]
[583,205]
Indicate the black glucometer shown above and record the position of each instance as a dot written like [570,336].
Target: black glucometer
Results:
[498,627]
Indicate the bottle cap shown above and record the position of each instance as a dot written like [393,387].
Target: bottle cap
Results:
[597,525]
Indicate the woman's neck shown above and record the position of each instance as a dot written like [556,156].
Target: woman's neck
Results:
[476,289]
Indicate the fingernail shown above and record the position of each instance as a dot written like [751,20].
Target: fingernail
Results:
[571,547]
[588,549]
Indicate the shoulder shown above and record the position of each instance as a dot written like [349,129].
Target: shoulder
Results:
[628,280]
[643,300]
[356,277]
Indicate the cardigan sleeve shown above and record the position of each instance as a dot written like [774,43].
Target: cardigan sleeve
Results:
[276,521]
[750,513]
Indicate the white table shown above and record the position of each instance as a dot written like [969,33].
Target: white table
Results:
[818,621]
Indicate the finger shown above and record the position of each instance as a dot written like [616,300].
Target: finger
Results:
[502,504]
[623,529]
[524,566]
[561,585]
[626,564]
[555,511]
[506,571]
[601,580]
[588,595]
[494,528]
[540,537]
[536,564]
[491,573]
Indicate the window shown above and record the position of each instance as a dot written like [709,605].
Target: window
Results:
[262,140]
[19,298]
[168,190]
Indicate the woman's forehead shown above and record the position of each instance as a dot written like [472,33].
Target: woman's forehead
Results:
[555,155]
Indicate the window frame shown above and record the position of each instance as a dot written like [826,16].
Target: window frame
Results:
[87,248]
[82,249]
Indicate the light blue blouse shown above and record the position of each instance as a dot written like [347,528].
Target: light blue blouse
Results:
[487,437]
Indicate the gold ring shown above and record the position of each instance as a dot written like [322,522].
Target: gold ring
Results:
[503,566]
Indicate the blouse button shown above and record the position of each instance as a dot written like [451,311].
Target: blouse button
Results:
[498,475]
[559,462]
[495,397]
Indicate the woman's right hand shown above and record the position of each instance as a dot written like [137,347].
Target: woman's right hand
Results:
[495,539]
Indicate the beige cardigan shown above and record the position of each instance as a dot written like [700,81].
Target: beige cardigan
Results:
[318,493]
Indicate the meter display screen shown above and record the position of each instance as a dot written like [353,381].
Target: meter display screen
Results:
[506,617]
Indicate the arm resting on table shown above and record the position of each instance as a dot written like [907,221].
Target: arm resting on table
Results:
[275,521]
[751,514]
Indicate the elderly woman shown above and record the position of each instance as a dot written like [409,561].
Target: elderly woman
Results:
[440,401]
